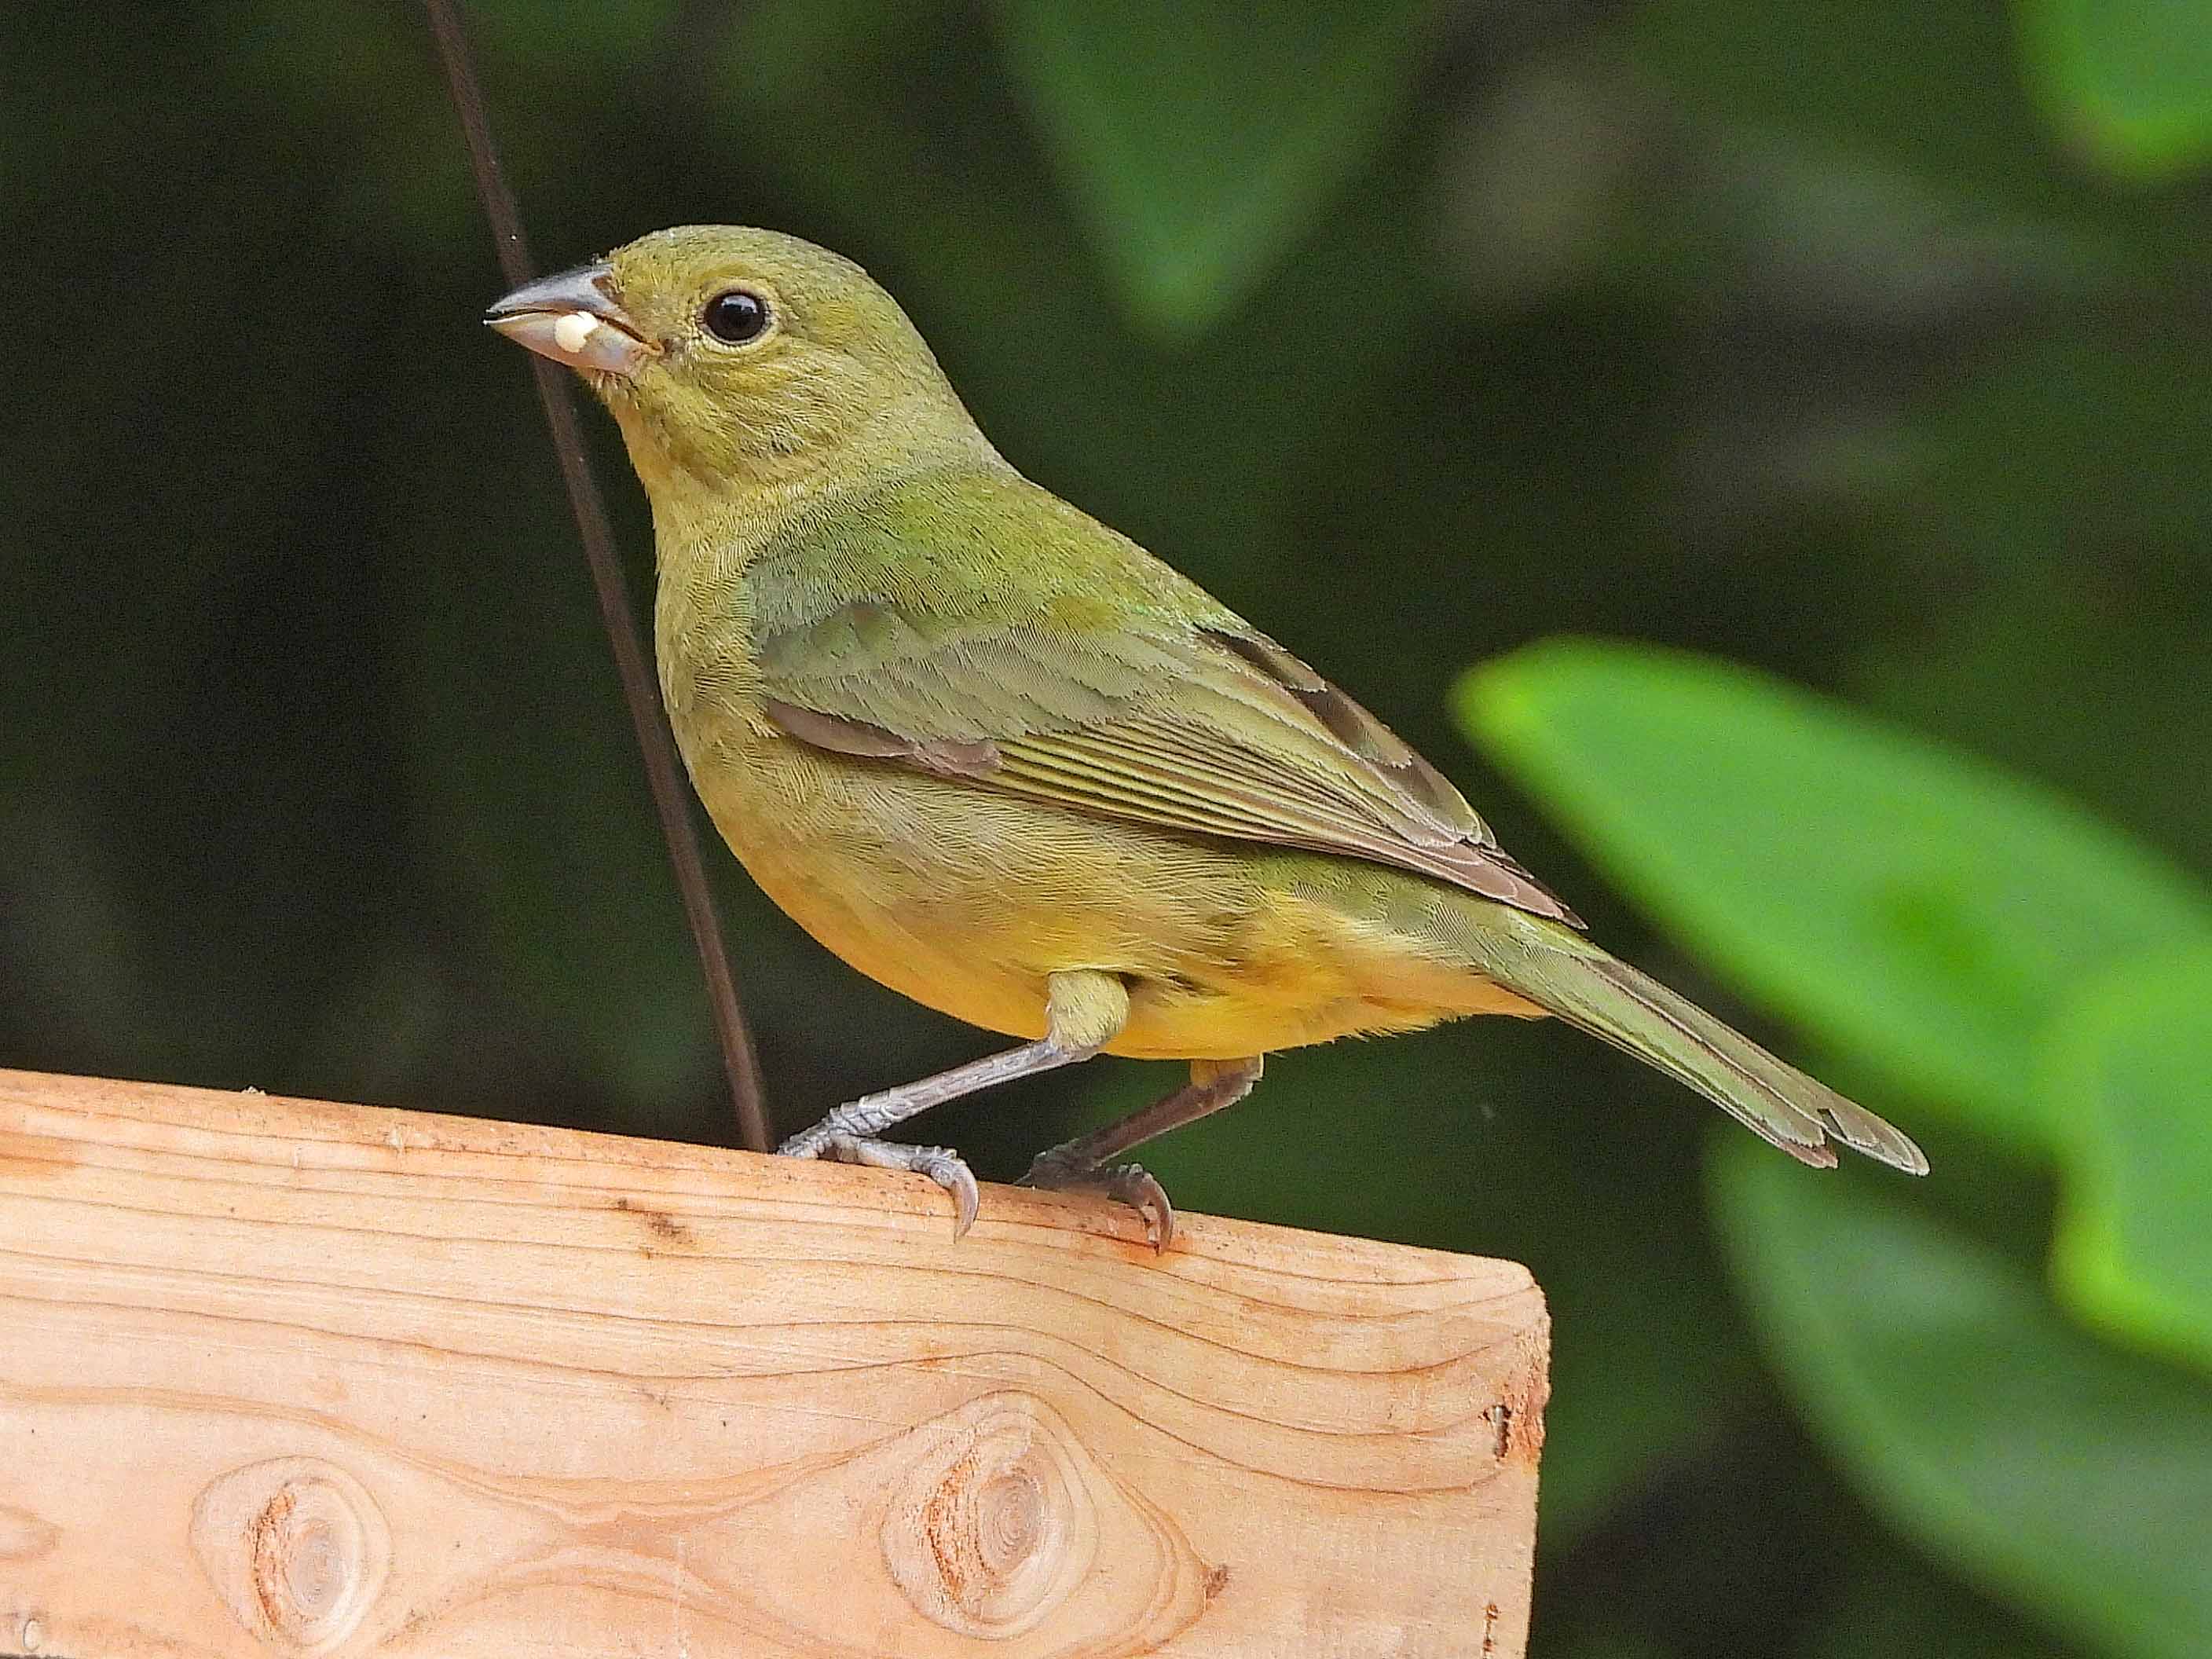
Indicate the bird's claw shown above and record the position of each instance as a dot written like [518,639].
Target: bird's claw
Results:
[940,1164]
[1124,1183]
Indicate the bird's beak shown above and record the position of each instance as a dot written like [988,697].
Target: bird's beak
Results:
[573,318]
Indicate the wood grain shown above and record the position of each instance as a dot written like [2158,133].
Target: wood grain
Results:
[281,1377]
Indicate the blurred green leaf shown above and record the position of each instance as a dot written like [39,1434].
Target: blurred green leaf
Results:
[2129,81]
[1908,902]
[2070,1477]
[2129,1067]
[1201,139]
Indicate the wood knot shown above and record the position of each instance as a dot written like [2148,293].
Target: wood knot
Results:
[992,1526]
[296,1548]
[24,1536]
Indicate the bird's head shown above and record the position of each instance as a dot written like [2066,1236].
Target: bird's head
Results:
[736,358]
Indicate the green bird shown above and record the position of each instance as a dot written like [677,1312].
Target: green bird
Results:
[1002,759]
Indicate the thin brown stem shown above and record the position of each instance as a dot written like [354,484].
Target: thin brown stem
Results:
[670,798]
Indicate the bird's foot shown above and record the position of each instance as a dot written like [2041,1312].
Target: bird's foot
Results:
[940,1164]
[1125,1183]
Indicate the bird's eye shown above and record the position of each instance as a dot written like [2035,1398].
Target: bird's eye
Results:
[735,317]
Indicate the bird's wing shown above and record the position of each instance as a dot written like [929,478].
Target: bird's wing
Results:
[984,629]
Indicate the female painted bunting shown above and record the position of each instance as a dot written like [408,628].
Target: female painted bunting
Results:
[998,757]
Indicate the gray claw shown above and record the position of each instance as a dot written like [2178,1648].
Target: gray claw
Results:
[950,1170]
[940,1164]
[1134,1185]
[1131,1184]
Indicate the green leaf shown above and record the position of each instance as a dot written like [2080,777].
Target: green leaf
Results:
[1913,905]
[2129,1067]
[2069,1477]
[2129,81]
[1199,139]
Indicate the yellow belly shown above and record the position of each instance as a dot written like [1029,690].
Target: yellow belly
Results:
[967,900]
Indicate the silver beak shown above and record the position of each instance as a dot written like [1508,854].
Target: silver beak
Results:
[573,318]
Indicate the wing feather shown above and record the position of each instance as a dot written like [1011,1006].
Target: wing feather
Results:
[1095,678]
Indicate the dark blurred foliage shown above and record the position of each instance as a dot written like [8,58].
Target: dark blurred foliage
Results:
[1860,341]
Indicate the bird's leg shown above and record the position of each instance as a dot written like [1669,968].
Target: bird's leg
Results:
[1084,1010]
[1080,1165]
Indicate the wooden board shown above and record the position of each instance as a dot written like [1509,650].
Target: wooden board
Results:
[289,1378]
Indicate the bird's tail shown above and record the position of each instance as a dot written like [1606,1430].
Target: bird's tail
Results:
[1565,975]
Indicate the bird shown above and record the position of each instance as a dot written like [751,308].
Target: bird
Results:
[1002,759]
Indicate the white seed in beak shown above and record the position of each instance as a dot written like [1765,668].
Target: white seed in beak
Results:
[571,329]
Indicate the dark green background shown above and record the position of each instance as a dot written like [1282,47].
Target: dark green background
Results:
[1862,342]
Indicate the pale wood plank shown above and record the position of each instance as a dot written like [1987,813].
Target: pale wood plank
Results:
[287,1377]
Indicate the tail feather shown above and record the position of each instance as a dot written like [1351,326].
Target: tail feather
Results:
[1570,977]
